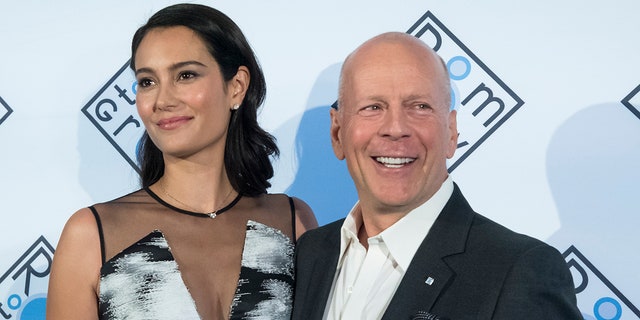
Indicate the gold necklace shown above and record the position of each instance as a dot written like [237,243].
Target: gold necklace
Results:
[211,214]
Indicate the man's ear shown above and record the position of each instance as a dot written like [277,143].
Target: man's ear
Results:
[336,126]
[238,85]
[453,134]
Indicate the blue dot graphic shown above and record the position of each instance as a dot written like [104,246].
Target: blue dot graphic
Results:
[607,308]
[14,301]
[34,310]
[459,67]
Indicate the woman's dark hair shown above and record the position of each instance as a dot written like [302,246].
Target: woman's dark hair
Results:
[248,147]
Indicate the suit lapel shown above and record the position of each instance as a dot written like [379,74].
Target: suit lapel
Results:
[428,275]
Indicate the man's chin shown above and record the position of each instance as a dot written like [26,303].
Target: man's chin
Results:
[395,205]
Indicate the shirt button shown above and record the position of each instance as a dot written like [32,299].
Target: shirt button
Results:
[350,289]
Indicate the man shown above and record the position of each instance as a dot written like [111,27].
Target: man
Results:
[412,247]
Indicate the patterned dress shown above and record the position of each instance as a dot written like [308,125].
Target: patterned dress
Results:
[144,281]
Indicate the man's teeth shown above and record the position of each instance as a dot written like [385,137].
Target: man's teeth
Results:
[394,162]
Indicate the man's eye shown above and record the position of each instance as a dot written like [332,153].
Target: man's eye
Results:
[370,110]
[423,106]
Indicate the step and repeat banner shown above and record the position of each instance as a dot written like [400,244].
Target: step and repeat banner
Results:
[547,93]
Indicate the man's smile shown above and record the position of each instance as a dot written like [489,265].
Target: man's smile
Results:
[391,162]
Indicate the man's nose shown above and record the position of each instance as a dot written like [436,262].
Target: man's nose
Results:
[395,123]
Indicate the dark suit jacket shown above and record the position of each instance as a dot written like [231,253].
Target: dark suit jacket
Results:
[480,270]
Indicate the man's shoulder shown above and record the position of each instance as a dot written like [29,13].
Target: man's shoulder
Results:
[492,237]
[483,232]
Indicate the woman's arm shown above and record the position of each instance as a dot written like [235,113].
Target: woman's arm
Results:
[75,271]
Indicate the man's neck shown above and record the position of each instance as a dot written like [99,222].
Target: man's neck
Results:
[373,223]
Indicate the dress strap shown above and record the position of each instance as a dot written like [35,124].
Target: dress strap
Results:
[293,220]
[100,232]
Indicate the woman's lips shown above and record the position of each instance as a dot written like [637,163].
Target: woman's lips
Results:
[173,122]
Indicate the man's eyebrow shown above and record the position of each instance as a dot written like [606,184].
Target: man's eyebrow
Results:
[376,98]
[418,97]
[173,67]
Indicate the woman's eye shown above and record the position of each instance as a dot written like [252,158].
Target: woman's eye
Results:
[187,75]
[143,83]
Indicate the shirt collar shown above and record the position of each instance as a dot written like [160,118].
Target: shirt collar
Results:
[405,236]
[349,231]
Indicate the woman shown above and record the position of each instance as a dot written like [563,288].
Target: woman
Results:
[202,239]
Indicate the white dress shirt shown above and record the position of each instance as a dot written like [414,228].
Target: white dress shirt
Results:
[366,280]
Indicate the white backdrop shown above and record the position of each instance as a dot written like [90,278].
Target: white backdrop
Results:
[560,162]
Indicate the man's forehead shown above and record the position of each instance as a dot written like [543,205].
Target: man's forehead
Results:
[409,77]
[394,83]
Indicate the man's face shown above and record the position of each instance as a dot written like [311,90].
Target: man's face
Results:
[394,126]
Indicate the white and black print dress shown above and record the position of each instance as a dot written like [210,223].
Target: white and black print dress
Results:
[145,281]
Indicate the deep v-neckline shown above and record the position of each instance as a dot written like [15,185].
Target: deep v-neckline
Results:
[266,251]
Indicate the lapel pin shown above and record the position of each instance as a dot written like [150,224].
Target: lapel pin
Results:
[429,281]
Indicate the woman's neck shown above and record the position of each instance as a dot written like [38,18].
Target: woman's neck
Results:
[194,186]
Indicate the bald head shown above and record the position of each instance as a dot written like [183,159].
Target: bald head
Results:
[391,46]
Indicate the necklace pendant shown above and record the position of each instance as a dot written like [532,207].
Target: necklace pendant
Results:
[212,215]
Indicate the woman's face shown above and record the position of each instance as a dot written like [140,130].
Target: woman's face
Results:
[182,99]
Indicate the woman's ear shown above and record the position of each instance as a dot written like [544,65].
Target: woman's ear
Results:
[238,85]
